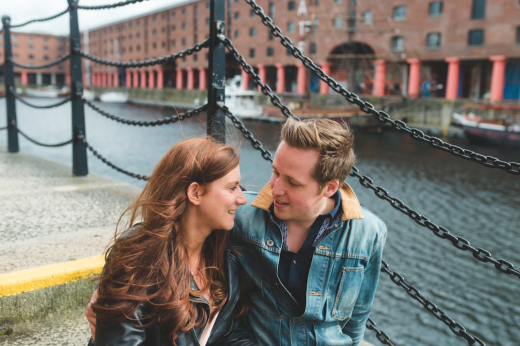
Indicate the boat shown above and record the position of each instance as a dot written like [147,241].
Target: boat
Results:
[495,132]
[88,94]
[241,102]
[46,92]
[114,97]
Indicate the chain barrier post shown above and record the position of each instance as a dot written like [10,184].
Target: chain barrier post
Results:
[79,149]
[216,118]
[10,102]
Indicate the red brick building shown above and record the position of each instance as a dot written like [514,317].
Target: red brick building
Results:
[452,49]
[37,49]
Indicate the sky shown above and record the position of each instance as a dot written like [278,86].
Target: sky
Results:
[22,11]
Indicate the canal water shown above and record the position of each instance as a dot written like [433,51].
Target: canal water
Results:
[477,203]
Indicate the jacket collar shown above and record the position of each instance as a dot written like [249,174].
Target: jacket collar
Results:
[349,202]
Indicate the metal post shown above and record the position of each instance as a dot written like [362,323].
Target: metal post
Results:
[79,149]
[12,133]
[216,119]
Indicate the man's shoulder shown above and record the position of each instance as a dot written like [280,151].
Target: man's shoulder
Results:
[371,224]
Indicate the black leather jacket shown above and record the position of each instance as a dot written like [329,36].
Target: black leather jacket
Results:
[226,330]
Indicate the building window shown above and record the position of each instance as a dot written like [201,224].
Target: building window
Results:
[208,5]
[314,48]
[183,25]
[237,34]
[154,45]
[252,32]
[433,40]
[195,57]
[237,15]
[337,22]
[184,11]
[253,13]
[154,31]
[163,29]
[397,44]
[45,57]
[518,34]
[435,8]
[368,18]
[45,48]
[399,13]
[31,46]
[173,27]
[173,14]
[137,22]
[316,23]
[478,9]
[291,5]
[289,52]
[130,49]
[14,37]
[31,56]
[173,43]
[207,21]
[29,38]
[154,18]
[270,51]
[138,48]
[60,49]
[338,1]
[476,37]
[252,53]
[45,39]
[290,27]
[183,41]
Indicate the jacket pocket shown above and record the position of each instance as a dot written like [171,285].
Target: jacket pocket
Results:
[348,291]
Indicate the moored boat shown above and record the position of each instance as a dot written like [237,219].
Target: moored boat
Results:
[114,97]
[488,131]
[47,92]
[241,102]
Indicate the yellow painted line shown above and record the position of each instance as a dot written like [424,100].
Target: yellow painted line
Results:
[50,275]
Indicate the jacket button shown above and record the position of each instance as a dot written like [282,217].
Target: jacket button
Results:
[270,242]
[336,225]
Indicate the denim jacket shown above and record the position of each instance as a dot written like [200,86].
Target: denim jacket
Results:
[342,279]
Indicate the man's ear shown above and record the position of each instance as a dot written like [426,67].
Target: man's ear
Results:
[194,193]
[331,187]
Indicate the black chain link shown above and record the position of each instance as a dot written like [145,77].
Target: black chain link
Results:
[248,134]
[35,67]
[82,139]
[19,98]
[162,121]
[381,336]
[413,292]
[441,232]
[488,161]
[196,48]
[40,143]
[4,128]
[41,20]
[104,7]
[266,89]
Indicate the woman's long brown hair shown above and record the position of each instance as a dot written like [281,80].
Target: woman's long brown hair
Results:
[150,263]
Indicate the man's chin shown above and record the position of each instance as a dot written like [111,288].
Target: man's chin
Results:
[280,214]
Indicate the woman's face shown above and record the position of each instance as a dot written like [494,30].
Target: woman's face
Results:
[220,200]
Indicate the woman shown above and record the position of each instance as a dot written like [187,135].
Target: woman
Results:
[170,280]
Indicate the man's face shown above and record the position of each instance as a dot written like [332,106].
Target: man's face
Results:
[297,196]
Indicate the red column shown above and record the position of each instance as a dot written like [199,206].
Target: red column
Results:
[301,80]
[103,79]
[160,79]
[262,74]
[151,79]
[84,79]
[497,78]
[324,87]
[128,79]
[203,78]
[280,78]
[414,78]
[180,80]
[69,79]
[116,79]
[246,78]
[143,79]
[136,79]
[380,77]
[191,79]
[452,83]
[24,78]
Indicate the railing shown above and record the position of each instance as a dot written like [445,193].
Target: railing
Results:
[216,114]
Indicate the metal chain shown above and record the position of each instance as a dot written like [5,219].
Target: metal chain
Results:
[4,128]
[41,20]
[248,134]
[441,232]
[40,143]
[413,292]
[19,98]
[266,89]
[82,139]
[162,121]
[488,161]
[196,48]
[104,7]
[35,67]
[381,336]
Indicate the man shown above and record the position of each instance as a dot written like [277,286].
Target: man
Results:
[310,254]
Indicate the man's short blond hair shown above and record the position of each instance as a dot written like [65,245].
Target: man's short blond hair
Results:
[333,141]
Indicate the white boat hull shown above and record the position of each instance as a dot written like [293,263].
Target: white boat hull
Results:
[114,97]
[42,93]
